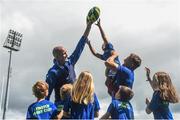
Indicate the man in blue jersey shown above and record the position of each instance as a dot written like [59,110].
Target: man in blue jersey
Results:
[62,72]
[124,73]
[120,107]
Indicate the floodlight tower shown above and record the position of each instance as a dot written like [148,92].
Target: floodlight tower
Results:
[13,43]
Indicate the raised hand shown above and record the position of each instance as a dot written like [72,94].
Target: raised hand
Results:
[114,54]
[148,71]
[89,23]
[88,42]
[147,101]
[98,22]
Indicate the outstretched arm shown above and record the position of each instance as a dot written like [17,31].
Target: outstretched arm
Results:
[148,71]
[110,61]
[102,32]
[88,28]
[50,80]
[80,46]
[93,50]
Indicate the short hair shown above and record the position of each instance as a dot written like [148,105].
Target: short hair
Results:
[66,89]
[126,93]
[40,89]
[136,60]
[56,50]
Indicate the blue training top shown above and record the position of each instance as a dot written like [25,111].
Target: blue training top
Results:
[96,103]
[124,76]
[120,110]
[59,75]
[159,107]
[60,104]
[107,53]
[82,111]
[42,110]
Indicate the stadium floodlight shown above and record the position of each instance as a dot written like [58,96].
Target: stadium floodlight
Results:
[13,40]
[13,43]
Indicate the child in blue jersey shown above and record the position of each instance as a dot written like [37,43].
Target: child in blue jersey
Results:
[164,93]
[108,48]
[65,93]
[124,73]
[120,107]
[83,101]
[42,109]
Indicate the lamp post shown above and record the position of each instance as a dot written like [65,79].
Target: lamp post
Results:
[2,86]
[13,43]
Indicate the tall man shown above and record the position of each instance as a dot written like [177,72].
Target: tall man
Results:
[62,72]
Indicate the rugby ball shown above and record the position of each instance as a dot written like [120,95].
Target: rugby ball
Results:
[93,14]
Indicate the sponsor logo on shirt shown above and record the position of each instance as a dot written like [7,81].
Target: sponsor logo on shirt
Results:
[42,109]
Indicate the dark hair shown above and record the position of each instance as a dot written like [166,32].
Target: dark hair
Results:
[136,60]
[126,93]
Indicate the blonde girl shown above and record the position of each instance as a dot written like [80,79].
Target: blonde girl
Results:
[83,100]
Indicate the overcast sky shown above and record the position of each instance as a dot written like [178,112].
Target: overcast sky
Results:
[149,28]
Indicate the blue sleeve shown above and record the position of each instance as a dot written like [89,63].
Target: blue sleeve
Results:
[109,46]
[127,75]
[111,108]
[91,113]
[54,111]
[102,57]
[96,103]
[51,81]
[67,106]
[77,52]
[121,68]
[29,113]
[154,102]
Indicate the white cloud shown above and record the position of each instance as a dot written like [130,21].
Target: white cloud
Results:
[17,21]
[146,27]
[13,114]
